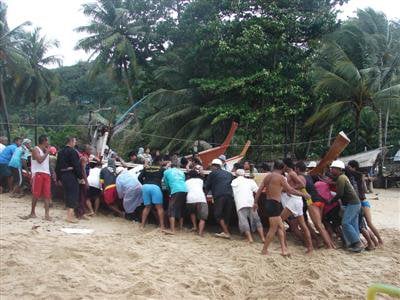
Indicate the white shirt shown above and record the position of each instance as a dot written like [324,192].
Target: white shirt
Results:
[2,147]
[195,191]
[43,167]
[94,178]
[243,189]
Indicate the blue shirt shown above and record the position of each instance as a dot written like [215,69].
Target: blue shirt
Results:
[7,153]
[174,179]
[19,153]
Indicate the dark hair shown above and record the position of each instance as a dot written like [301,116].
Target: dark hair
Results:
[157,160]
[264,166]
[132,153]
[278,165]
[69,139]
[301,166]
[193,174]
[43,138]
[288,162]
[354,164]
[237,166]
[16,139]
[184,162]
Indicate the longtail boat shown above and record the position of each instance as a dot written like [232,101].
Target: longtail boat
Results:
[233,160]
[340,143]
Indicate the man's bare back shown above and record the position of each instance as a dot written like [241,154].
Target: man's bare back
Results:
[273,183]
[294,181]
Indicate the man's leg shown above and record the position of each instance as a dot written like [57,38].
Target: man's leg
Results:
[114,207]
[350,218]
[89,206]
[145,214]
[47,209]
[316,217]
[96,205]
[244,226]
[306,233]
[282,238]
[368,218]
[273,227]
[160,213]
[202,224]
[194,221]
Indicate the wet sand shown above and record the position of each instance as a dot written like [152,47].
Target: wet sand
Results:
[121,261]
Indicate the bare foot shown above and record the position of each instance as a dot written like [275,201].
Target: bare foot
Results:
[264,252]
[169,232]
[91,214]
[74,221]
[48,218]
[285,253]
[193,229]
[28,217]
[309,251]
[85,217]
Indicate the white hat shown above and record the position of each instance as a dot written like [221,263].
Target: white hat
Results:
[338,164]
[217,162]
[119,170]
[240,172]
[312,164]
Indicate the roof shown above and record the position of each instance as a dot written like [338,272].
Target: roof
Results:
[365,159]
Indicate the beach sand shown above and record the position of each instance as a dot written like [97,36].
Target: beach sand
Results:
[121,261]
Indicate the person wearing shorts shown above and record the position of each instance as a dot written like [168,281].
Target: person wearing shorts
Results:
[196,202]
[150,178]
[41,178]
[174,180]
[17,162]
[68,170]
[243,193]
[108,177]
[219,183]
[93,194]
[274,184]
[5,157]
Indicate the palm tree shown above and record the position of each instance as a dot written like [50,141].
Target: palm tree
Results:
[12,61]
[38,82]
[110,40]
[356,71]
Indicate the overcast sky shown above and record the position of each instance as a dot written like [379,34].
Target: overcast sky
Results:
[58,18]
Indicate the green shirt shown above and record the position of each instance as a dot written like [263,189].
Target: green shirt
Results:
[345,191]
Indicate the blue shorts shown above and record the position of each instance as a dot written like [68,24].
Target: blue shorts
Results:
[151,194]
[365,203]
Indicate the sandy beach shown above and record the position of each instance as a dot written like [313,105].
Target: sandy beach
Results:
[121,261]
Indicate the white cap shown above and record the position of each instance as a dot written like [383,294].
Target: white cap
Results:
[338,164]
[216,161]
[240,172]
[312,164]
[119,170]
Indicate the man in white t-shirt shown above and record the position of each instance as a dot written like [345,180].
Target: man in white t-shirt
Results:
[94,191]
[196,202]
[243,193]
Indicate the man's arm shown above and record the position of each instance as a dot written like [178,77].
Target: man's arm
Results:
[75,163]
[299,184]
[36,155]
[340,183]
[207,184]
[288,189]
[83,161]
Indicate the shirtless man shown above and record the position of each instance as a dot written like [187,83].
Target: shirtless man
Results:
[293,206]
[275,183]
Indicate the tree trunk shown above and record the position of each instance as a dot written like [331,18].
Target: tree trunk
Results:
[35,120]
[357,116]
[328,144]
[294,135]
[380,162]
[127,83]
[386,127]
[4,109]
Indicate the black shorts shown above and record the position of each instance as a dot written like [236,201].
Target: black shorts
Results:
[272,208]
[93,193]
[223,206]
[71,189]
[17,176]
[176,205]
[333,217]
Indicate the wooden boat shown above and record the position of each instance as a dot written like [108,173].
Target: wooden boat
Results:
[207,156]
[334,152]
[233,160]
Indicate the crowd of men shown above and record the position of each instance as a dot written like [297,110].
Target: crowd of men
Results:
[335,203]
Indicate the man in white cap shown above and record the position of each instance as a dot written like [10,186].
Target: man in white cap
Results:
[311,165]
[219,183]
[243,193]
[351,204]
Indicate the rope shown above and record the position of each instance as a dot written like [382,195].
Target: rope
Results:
[182,140]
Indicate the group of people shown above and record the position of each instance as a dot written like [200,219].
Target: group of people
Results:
[334,203]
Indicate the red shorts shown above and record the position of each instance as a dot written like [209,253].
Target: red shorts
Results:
[41,185]
[110,194]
